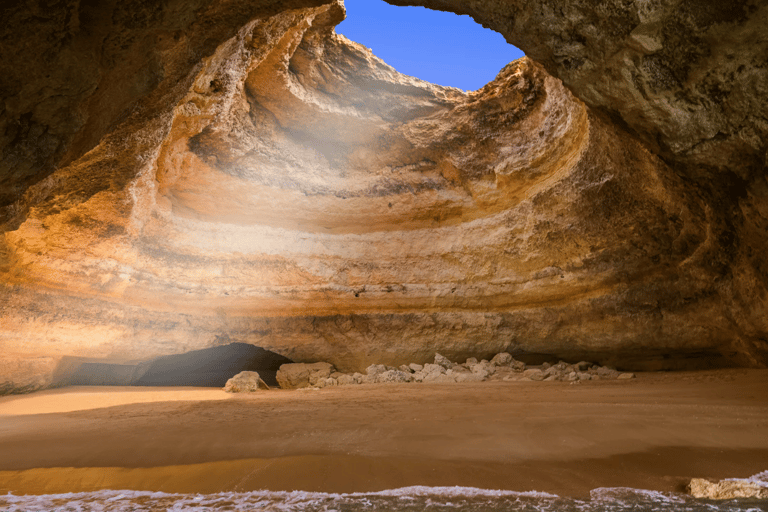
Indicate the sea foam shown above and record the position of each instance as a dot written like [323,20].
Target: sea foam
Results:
[407,499]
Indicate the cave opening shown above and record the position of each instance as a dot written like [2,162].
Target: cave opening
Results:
[413,41]
[209,367]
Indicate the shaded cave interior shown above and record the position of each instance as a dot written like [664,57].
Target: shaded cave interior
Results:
[210,367]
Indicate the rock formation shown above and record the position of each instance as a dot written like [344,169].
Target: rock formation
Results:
[303,375]
[730,489]
[444,371]
[192,174]
[245,382]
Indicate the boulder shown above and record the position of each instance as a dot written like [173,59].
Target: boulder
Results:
[375,369]
[502,359]
[433,368]
[346,380]
[443,361]
[394,376]
[727,489]
[607,373]
[483,367]
[245,382]
[303,375]
[439,378]
[534,374]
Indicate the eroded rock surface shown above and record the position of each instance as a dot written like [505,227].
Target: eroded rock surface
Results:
[245,382]
[444,371]
[729,489]
[276,184]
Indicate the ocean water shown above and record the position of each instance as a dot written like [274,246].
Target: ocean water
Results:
[409,499]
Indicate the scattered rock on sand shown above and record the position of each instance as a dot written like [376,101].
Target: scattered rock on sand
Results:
[443,361]
[534,374]
[503,359]
[245,382]
[346,380]
[303,375]
[502,367]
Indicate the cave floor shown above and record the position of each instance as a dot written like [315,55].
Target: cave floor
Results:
[653,432]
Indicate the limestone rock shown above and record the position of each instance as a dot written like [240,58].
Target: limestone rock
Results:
[439,378]
[245,382]
[727,489]
[433,369]
[245,173]
[502,359]
[469,377]
[375,369]
[483,367]
[346,380]
[533,374]
[688,78]
[443,361]
[302,375]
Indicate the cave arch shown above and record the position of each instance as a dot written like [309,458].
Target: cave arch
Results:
[209,367]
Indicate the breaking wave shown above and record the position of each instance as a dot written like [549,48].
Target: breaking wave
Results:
[408,499]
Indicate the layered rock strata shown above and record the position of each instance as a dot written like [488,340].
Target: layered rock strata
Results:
[277,184]
[689,79]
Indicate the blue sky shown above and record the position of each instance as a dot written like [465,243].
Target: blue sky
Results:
[438,47]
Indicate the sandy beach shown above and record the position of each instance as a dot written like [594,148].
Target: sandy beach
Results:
[653,432]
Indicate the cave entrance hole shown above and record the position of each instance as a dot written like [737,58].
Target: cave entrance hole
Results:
[210,367]
[442,48]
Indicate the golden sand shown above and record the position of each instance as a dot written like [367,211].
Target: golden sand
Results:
[654,432]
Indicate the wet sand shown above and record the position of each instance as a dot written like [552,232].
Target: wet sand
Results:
[653,432]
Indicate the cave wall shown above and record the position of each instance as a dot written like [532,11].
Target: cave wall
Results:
[689,78]
[184,175]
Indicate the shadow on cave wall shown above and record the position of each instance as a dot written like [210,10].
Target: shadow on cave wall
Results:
[210,367]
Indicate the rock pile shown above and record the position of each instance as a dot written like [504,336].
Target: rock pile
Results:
[501,367]
[245,382]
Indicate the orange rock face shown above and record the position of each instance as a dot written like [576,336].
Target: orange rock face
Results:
[290,190]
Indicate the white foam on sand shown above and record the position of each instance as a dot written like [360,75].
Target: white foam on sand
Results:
[453,492]
[410,499]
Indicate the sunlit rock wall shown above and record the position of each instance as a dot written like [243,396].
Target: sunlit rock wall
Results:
[690,79]
[277,184]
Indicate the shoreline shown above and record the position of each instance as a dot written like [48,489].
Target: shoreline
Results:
[353,474]
[655,432]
